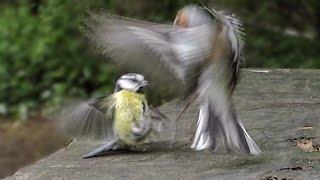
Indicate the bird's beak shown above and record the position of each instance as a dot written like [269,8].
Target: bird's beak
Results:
[145,83]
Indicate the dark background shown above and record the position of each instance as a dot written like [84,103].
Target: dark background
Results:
[45,60]
[44,57]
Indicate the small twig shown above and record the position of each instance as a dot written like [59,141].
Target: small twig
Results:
[190,99]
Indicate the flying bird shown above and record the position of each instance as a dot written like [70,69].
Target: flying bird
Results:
[122,119]
[199,54]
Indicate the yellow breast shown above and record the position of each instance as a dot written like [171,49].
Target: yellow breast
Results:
[129,109]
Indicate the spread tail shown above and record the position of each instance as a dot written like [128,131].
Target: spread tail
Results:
[213,123]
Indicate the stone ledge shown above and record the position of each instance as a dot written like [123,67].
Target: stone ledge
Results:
[274,105]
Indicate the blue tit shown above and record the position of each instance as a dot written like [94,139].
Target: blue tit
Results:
[200,55]
[122,118]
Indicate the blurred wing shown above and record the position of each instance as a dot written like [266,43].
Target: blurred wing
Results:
[235,35]
[150,49]
[160,121]
[181,48]
[217,116]
[89,119]
[102,18]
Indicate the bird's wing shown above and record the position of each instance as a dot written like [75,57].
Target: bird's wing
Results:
[235,34]
[141,128]
[89,119]
[154,50]
[217,116]
[180,48]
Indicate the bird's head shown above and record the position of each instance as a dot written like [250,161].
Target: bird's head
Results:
[132,82]
[191,16]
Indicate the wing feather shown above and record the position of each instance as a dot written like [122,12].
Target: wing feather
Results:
[141,46]
[216,84]
[236,35]
[89,119]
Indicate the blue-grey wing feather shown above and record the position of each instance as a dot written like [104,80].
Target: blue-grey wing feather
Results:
[89,119]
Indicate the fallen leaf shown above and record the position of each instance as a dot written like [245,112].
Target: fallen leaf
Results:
[306,144]
[275,178]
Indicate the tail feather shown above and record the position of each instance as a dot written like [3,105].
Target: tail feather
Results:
[202,138]
[211,125]
[254,148]
[105,147]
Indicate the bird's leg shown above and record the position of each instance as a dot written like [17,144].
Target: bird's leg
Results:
[158,119]
[108,146]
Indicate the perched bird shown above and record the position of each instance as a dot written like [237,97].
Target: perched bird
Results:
[122,118]
[202,51]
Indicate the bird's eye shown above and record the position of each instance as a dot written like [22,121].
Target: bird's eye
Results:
[140,90]
[118,88]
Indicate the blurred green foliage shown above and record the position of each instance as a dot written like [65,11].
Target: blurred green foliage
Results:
[44,58]
[280,34]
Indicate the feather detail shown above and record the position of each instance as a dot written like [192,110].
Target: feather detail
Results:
[236,35]
[89,119]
